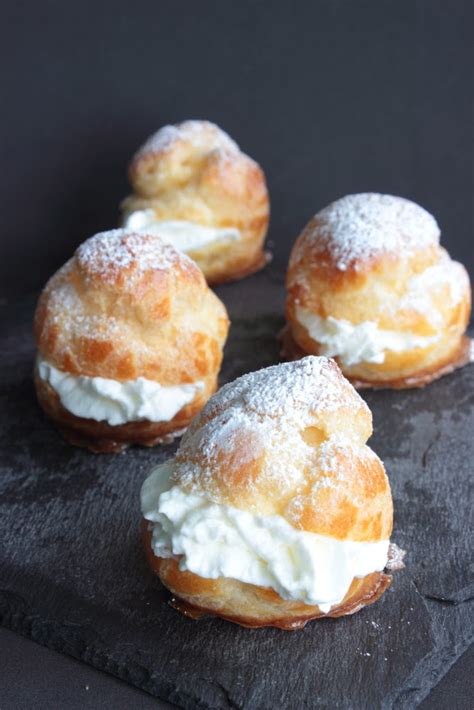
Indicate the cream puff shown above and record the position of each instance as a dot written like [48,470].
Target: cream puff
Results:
[274,511]
[194,187]
[129,340]
[369,284]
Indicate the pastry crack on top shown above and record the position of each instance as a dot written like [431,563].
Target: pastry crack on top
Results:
[195,188]
[274,510]
[369,284]
[130,341]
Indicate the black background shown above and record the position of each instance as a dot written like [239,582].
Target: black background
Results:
[330,97]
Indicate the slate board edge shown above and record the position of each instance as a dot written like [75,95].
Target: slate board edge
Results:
[436,663]
[56,636]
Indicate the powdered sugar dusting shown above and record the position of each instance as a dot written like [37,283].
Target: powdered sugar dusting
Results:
[70,318]
[445,275]
[117,258]
[304,386]
[262,415]
[202,134]
[336,465]
[225,433]
[358,227]
[329,453]
[108,254]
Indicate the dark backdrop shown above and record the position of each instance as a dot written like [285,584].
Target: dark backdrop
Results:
[331,97]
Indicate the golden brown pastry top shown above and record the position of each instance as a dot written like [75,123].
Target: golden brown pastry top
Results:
[195,172]
[372,257]
[356,231]
[170,157]
[290,440]
[129,305]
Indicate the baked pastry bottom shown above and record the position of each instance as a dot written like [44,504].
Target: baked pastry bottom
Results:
[249,605]
[290,350]
[102,438]
[217,276]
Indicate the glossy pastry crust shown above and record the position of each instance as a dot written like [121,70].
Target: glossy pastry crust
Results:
[128,306]
[196,173]
[249,605]
[287,441]
[410,287]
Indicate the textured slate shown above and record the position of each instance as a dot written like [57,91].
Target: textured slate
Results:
[73,575]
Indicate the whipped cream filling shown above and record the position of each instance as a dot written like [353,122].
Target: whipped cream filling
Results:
[214,540]
[364,342]
[117,402]
[185,236]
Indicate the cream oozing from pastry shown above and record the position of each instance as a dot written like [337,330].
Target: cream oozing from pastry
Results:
[117,402]
[185,236]
[214,540]
[364,342]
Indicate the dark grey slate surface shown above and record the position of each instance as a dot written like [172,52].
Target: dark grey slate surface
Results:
[73,576]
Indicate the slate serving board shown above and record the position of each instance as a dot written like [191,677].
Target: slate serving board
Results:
[73,575]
